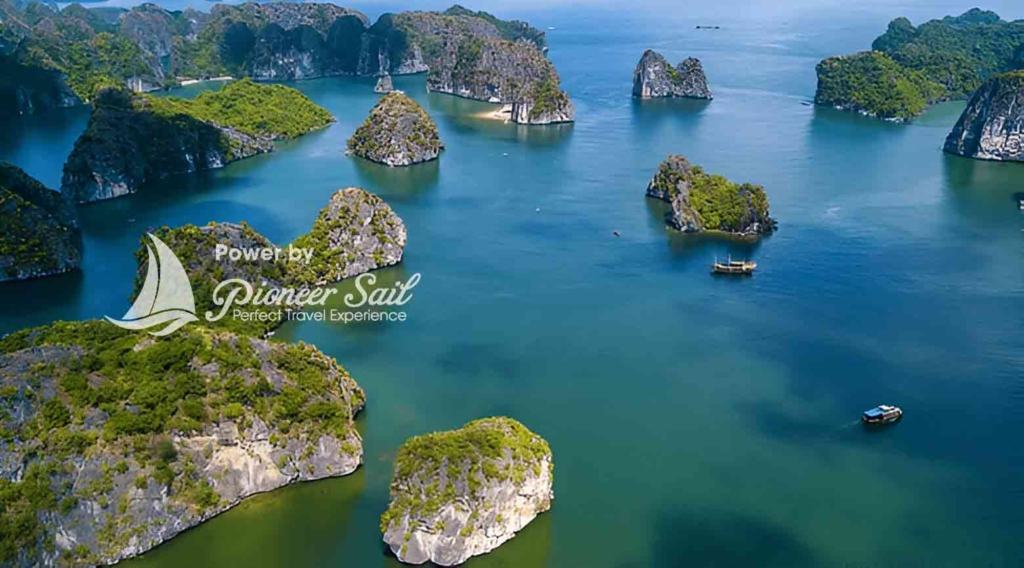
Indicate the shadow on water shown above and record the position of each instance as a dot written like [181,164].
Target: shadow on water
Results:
[829,119]
[55,130]
[690,537]
[286,527]
[475,360]
[984,185]
[61,294]
[398,183]
[702,248]
[529,549]
[661,108]
[666,118]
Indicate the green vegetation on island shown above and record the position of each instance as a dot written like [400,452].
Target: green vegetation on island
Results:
[196,247]
[356,232]
[709,202]
[38,228]
[398,132]
[872,83]
[53,57]
[132,139]
[126,440]
[264,110]
[511,30]
[912,67]
[459,482]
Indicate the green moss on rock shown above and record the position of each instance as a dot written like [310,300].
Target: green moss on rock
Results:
[463,492]
[707,202]
[873,84]
[133,139]
[398,132]
[38,228]
[356,232]
[141,438]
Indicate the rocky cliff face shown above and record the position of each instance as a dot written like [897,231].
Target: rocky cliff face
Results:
[108,453]
[398,132]
[656,77]
[705,202]
[462,493]
[125,145]
[356,232]
[131,139]
[384,85]
[148,46]
[992,125]
[38,228]
[27,90]
[513,73]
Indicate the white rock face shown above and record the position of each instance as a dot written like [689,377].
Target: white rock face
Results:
[522,112]
[992,125]
[655,77]
[485,498]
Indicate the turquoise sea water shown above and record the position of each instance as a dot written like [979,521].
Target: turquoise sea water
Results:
[694,420]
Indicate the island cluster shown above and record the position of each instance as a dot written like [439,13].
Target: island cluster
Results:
[115,441]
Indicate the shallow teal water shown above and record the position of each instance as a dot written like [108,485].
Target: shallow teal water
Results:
[694,420]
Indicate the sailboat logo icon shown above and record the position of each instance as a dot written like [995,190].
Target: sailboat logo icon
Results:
[166,296]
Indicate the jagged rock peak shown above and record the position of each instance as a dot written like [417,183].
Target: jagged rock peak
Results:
[655,77]
[398,132]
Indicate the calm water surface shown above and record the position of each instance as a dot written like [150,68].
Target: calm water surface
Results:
[694,420]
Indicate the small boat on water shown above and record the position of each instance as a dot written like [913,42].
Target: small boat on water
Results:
[1020,204]
[882,414]
[731,266]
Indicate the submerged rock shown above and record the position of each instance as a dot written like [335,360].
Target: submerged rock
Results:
[655,77]
[38,228]
[513,73]
[706,202]
[398,132]
[464,492]
[384,85]
[117,441]
[992,125]
[133,139]
[356,232]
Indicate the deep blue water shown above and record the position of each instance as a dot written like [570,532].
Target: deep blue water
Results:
[694,420]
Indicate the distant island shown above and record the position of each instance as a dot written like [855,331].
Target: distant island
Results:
[51,58]
[655,77]
[703,202]
[135,138]
[911,67]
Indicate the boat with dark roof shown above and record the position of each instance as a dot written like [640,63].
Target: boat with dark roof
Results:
[882,414]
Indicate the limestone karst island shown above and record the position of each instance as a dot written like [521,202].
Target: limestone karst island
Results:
[511,284]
